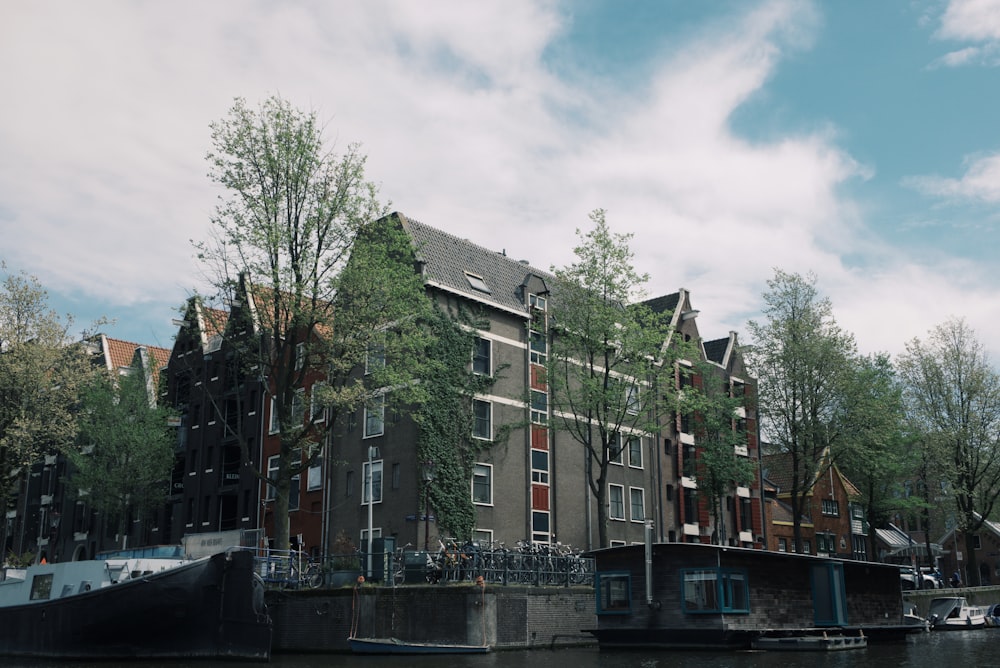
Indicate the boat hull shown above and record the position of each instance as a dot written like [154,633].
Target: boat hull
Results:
[210,608]
[395,646]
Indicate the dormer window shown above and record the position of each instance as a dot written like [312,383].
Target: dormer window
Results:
[537,302]
[477,283]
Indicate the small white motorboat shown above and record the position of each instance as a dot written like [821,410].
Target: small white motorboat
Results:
[954,613]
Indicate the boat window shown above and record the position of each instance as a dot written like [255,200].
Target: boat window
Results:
[41,587]
[713,590]
[67,591]
[613,591]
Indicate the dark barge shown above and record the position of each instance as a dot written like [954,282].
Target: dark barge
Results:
[699,596]
[122,608]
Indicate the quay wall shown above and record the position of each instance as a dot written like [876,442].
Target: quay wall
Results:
[321,620]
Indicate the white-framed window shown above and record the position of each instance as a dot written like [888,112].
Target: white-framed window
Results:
[375,417]
[482,419]
[300,356]
[540,466]
[482,357]
[537,302]
[482,484]
[273,426]
[483,537]
[293,488]
[634,447]
[539,407]
[831,507]
[616,502]
[615,450]
[538,346]
[373,480]
[539,526]
[637,504]
[314,476]
[632,402]
[376,533]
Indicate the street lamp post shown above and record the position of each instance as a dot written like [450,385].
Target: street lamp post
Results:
[428,476]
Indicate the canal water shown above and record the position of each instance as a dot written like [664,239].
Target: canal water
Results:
[931,650]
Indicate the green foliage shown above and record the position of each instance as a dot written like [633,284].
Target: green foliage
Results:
[128,448]
[953,397]
[41,373]
[804,364]
[445,422]
[282,235]
[879,453]
[607,354]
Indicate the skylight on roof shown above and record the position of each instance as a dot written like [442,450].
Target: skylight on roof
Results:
[477,283]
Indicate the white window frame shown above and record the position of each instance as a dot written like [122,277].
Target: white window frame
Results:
[628,446]
[489,356]
[300,356]
[489,420]
[489,483]
[273,427]
[314,475]
[540,476]
[612,488]
[376,468]
[633,401]
[379,420]
[539,416]
[619,458]
[631,503]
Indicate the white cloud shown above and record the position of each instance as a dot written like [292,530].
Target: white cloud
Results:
[467,128]
[971,21]
[975,20]
[980,182]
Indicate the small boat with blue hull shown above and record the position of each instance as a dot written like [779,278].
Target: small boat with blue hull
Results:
[136,607]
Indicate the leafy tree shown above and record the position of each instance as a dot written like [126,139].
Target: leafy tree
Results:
[41,373]
[953,397]
[607,353]
[286,228]
[720,468]
[124,466]
[879,453]
[803,362]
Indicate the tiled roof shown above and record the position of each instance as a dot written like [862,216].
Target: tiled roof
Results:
[119,354]
[778,469]
[454,264]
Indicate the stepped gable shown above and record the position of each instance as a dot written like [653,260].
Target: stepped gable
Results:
[453,264]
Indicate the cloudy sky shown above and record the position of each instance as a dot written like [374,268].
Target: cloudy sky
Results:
[857,140]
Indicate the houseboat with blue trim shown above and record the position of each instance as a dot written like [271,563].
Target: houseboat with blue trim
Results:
[700,596]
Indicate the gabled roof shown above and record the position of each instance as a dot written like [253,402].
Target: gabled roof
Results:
[664,303]
[461,267]
[716,350]
[778,469]
[118,354]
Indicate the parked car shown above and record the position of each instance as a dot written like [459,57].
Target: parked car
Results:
[908,579]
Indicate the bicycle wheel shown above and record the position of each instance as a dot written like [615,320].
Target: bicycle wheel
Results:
[314,577]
